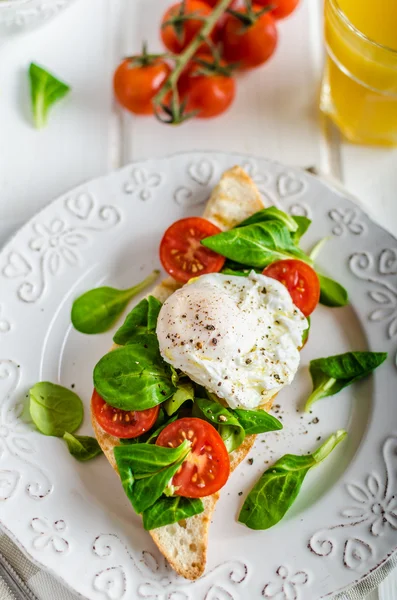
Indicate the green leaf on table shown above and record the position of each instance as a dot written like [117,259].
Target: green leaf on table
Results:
[134,377]
[97,310]
[276,490]
[303,224]
[271,214]
[171,510]
[330,375]
[184,393]
[55,409]
[332,293]
[256,245]
[82,447]
[45,90]
[146,470]
[141,320]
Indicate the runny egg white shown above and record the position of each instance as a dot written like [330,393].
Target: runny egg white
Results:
[239,337]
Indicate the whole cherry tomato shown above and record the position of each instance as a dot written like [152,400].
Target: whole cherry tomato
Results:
[282,8]
[136,81]
[249,37]
[207,86]
[178,25]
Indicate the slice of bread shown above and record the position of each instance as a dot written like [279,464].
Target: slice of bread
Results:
[184,544]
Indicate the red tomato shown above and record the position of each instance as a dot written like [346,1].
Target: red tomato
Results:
[301,281]
[282,8]
[135,85]
[215,2]
[210,94]
[122,423]
[190,27]
[249,45]
[207,467]
[181,253]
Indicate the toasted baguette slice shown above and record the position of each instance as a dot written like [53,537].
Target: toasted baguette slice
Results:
[184,544]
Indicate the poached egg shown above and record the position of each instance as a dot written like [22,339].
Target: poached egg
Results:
[239,337]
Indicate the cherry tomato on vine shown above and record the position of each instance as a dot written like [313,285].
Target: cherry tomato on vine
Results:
[181,253]
[249,37]
[300,280]
[207,86]
[137,80]
[215,2]
[122,423]
[282,8]
[178,25]
[207,467]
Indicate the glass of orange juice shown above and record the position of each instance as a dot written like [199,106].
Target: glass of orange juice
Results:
[359,89]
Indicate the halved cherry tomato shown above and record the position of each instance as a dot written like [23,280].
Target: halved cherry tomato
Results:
[122,423]
[135,85]
[178,25]
[250,45]
[301,281]
[207,92]
[181,253]
[207,467]
[282,8]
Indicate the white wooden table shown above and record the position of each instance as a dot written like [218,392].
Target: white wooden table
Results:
[275,115]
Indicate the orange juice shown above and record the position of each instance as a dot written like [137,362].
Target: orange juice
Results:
[359,89]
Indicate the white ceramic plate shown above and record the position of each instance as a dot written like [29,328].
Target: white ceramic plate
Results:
[74,519]
[21,15]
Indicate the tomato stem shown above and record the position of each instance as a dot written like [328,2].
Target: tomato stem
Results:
[250,16]
[144,59]
[174,112]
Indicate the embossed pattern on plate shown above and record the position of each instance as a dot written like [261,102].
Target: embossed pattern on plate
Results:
[74,519]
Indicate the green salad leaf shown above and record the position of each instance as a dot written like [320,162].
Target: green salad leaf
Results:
[330,375]
[45,90]
[271,214]
[256,245]
[55,409]
[147,489]
[228,426]
[140,321]
[303,224]
[134,377]
[82,447]
[305,335]
[149,459]
[150,436]
[276,490]
[234,424]
[256,421]
[171,510]
[145,470]
[97,310]
[332,293]
[184,393]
